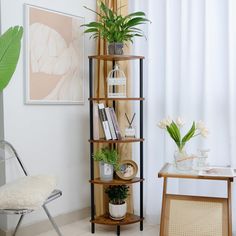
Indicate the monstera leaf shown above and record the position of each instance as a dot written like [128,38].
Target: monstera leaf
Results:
[10,45]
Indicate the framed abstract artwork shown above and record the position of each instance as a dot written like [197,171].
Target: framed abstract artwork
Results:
[54,45]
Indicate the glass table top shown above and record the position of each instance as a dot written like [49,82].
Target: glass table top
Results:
[211,172]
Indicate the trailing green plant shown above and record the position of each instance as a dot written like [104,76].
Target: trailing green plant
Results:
[117,193]
[109,156]
[10,46]
[114,27]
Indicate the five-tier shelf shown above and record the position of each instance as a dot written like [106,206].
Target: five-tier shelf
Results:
[130,218]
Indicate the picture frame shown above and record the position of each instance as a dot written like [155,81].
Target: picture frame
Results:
[54,49]
[128,170]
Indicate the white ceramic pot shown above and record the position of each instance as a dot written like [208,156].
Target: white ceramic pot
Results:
[117,212]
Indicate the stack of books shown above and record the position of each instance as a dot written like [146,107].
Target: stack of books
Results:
[109,123]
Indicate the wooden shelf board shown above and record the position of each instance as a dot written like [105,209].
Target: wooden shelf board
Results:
[123,140]
[105,220]
[115,57]
[116,99]
[116,181]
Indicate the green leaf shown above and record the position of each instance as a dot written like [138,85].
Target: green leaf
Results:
[93,24]
[171,133]
[138,13]
[190,134]
[92,30]
[136,21]
[10,45]
[104,8]
[176,131]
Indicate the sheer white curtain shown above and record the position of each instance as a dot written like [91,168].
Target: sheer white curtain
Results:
[190,72]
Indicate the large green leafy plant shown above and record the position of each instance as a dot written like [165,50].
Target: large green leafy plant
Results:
[10,45]
[114,27]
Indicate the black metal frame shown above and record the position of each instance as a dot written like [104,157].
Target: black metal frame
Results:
[91,87]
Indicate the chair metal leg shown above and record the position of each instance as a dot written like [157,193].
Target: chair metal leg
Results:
[52,221]
[18,224]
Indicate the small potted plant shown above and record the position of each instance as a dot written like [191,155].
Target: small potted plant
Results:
[117,195]
[108,162]
[115,28]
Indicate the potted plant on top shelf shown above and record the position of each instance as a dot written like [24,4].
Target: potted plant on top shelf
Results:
[115,28]
[117,195]
[108,162]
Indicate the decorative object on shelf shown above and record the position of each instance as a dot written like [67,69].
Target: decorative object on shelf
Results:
[117,205]
[130,130]
[116,83]
[54,57]
[128,170]
[200,162]
[183,161]
[10,46]
[108,161]
[115,28]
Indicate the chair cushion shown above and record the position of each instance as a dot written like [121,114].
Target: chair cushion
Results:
[29,192]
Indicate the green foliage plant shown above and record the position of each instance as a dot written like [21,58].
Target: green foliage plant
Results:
[109,156]
[117,194]
[10,46]
[114,27]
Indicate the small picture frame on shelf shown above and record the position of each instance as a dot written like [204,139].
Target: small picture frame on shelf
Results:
[128,170]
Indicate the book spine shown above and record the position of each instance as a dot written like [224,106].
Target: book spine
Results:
[95,122]
[111,126]
[104,121]
[115,122]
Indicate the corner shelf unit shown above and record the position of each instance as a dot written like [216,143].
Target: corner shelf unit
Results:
[130,218]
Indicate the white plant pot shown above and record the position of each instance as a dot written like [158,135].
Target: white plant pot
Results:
[117,212]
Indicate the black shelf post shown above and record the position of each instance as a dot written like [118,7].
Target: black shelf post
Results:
[141,143]
[91,144]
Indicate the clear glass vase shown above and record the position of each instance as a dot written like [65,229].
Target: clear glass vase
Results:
[183,161]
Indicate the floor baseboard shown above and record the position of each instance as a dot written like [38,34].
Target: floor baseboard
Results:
[45,225]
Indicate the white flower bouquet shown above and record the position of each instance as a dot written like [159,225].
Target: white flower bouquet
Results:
[173,129]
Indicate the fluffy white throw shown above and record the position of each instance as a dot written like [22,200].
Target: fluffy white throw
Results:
[28,192]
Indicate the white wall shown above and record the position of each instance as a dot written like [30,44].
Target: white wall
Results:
[51,139]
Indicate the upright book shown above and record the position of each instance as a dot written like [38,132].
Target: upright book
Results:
[115,122]
[111,126]
[104,121]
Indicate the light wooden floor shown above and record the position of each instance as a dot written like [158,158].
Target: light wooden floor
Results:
[82,228]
